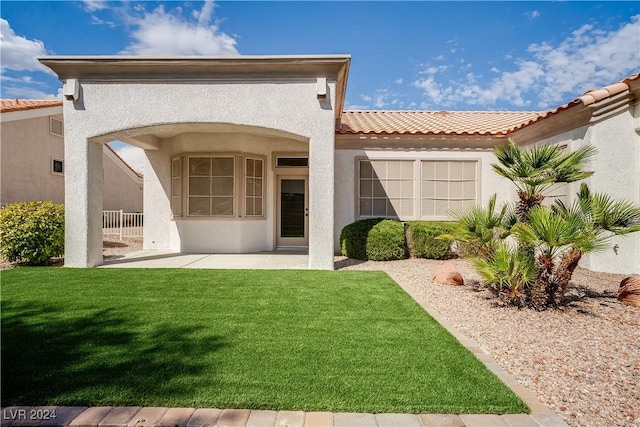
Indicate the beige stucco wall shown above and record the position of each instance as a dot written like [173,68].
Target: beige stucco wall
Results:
[26,152]
[345,197]
[122,189]
[197,235]
[617,173]
[26,155]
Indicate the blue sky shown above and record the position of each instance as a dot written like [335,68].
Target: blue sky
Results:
[405,55]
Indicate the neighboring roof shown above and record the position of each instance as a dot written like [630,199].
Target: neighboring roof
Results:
[11,105]
[469,123]
[135,172]
[433,122]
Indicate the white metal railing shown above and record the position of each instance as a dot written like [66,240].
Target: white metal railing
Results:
[122,224]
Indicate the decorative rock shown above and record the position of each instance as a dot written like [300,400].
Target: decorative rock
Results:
[447,274]
[629,291]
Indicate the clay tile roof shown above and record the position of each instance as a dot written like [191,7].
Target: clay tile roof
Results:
[589,97]
[433,122]
[11,105]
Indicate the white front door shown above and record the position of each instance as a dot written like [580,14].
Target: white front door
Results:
[292,211]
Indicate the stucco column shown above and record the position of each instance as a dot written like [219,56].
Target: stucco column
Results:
[321,200]
[83,201]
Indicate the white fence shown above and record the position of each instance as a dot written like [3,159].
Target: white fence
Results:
[122,224]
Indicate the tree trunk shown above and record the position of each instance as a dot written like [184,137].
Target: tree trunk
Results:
[525,205]
[539,293]
[563,273]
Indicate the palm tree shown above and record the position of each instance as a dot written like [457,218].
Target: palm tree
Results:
[534,171]
[561,235]
[481,229]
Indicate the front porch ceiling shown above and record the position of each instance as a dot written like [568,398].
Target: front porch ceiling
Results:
[150,137]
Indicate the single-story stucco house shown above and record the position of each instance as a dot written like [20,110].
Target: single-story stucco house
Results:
[32,159]
[255,153]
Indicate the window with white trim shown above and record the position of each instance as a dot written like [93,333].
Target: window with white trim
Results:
[254,187]
[447,185]
[211,186]
[225,185]
[176,186]
[386,188]
[57,166]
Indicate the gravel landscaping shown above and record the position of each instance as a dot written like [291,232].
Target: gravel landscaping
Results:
[582,360]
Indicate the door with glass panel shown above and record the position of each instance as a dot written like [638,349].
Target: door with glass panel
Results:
[292,211]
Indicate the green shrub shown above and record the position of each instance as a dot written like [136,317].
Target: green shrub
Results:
[386,241]
[32,232]
[353,238]
[424,242]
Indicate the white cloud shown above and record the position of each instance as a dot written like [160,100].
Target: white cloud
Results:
[588,58]
[349,106]
[533,14]
[25,92]
[93,5]
[19,53]
[399,81]
[134,156]
[169,33]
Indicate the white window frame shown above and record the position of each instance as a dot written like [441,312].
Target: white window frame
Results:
[245,178]
[449,181]
[417,196]
[180,199]
[234,192]
[359,196]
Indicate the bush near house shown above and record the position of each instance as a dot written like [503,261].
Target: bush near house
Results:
[386,241]
[353,238]
[31,232]
[424,241]
[375,239]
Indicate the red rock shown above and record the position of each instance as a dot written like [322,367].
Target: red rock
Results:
[447,274]
[629,291]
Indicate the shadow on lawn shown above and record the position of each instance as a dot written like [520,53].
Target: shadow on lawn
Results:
[97,358]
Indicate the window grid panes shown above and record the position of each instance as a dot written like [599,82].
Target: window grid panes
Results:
[386,188]
[211,186]
[176,186]
[254,187]
[447,186]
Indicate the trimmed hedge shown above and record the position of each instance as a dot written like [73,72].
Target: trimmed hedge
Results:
[353,238]
[386,241]
[423,241]
[374,239]
[32,232]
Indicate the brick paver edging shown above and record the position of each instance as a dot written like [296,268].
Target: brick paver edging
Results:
[135,416]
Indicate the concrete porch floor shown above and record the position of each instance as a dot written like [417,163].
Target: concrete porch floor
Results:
[280,260]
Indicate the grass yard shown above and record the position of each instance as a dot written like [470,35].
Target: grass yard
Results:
[294,340]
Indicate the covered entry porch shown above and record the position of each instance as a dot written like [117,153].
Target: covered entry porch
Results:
[213,131]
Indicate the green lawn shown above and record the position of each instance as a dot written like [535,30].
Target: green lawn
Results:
[296,340]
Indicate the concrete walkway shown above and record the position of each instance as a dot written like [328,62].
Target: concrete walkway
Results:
[190,417]
[280,260]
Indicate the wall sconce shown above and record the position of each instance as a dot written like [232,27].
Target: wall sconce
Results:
[71,90]
[321,87]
